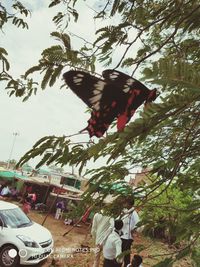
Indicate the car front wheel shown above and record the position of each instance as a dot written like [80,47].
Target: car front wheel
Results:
[9,256]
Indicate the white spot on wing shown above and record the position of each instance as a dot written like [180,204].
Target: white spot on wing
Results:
[126,89]
[96,106]
[95,98]
[114,75]
[96,92]
[78,79]
[130,81]
[99,85]
[128,84]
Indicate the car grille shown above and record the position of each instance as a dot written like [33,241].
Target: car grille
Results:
[46,243]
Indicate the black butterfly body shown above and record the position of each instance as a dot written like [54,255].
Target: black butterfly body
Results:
[116,96]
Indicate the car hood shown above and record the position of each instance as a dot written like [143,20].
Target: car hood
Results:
[35,231]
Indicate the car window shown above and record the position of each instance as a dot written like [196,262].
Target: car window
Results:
[15,218]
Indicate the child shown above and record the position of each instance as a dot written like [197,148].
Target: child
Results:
[136,261]
[113,246]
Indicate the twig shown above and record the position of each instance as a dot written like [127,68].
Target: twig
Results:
[166,41]
[141,32]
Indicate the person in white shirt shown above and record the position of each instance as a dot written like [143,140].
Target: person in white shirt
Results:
[113,247]
[5,191]
[102,226]
[136,261]
[130,218]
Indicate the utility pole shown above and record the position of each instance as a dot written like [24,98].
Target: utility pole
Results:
[11,151]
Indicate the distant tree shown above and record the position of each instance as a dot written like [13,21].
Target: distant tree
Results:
[164,215]
[15,13]
[11,163]
[166,135]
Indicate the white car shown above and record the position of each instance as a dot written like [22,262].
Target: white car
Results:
[22,241]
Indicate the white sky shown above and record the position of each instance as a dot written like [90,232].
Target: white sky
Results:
[52,111]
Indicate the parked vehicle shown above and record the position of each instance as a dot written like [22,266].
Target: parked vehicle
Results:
[22,241]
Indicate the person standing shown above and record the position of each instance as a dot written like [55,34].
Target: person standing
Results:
[60,207]
[102,226]
[130,218]
[113,246]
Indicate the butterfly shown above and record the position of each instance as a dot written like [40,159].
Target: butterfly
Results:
[115,95]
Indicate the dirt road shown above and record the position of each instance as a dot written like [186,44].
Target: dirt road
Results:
[69,252]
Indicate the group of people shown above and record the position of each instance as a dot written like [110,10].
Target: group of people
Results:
[115,237]
[7,191]
[28,199]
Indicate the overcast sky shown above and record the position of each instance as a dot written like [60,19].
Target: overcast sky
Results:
[52,111]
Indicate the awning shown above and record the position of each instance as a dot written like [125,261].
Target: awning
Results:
[10,175]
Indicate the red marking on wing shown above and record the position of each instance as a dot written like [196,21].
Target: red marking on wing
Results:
[114,103]
[123,118]
[121,121]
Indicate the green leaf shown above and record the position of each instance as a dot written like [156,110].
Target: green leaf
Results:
[3,51]
[55,75]
[31,70]
[115,7]
[54,3]
[196,256]
[47,77]
[54,157]
[42,140]
[44,160]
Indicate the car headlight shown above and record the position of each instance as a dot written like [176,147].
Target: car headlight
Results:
[28,242]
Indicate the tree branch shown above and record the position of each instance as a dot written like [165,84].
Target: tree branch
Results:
[166,41]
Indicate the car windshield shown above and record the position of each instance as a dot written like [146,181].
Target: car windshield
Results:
[14,218]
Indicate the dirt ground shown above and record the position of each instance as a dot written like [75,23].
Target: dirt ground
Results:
[68,250]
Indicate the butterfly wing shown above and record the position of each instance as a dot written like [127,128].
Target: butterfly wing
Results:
[101,120]
[124,81]
[87,87]
[98,95]
[134,93]
[97,124]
